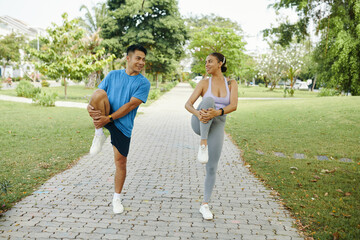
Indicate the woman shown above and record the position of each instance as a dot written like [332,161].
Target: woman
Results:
[220,97]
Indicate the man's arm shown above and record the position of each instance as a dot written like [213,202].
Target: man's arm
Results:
[101,121]
[126,108]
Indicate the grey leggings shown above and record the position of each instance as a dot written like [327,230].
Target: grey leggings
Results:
[213,131]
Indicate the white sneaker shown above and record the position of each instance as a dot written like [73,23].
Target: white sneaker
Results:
[205,211]
[117,206]
[97,144]
[203,156]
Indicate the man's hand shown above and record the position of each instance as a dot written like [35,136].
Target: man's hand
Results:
[100,121]
[92,112]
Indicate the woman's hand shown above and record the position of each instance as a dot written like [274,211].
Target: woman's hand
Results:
[92,112]
[207,115]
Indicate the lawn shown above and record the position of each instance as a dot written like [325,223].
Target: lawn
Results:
[36,143]
[323,195]
[262,92]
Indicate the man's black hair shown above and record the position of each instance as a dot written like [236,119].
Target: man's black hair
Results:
[135,47]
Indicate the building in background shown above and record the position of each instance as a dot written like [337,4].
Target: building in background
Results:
[10,25]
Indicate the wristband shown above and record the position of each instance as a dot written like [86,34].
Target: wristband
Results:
[222,111]
[111,119]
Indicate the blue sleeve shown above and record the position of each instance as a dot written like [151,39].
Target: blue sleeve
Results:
[142,92]
[104,83]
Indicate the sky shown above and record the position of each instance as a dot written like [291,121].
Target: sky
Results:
[252,15]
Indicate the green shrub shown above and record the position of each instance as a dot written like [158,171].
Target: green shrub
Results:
[45,83]
[328,92]
[5,185]
[261,85]
[26,89]
[192,84]
[45,99]
[154,94]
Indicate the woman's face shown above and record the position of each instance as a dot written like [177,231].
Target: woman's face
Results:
[212,64]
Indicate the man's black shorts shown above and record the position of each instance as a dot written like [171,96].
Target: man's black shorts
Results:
[118,139]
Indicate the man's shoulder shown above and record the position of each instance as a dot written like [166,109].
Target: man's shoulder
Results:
[144,80]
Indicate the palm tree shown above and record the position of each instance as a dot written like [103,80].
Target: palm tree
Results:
[92,22]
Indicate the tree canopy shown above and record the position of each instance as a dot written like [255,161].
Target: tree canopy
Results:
[155,24]
[337,54]
[9,49]
[64,54]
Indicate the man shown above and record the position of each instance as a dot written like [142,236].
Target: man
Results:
[114,106]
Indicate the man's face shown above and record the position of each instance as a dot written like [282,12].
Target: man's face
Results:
[136,61]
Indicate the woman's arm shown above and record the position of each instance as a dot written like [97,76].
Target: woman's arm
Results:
[189,105]
[233,98]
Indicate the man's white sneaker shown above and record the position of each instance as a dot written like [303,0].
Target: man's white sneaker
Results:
[97,144]
[205,211]
[203,156]
[117,206]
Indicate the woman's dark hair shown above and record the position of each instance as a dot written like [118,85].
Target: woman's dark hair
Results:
[222,59]
[135,47]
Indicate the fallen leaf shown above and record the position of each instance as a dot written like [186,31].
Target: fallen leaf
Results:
[347,194]
[326,194]
[346,215]
[313,180]
[316,177]
[336,236]
[339,190]
[294,168]
[316,196]
[292,172]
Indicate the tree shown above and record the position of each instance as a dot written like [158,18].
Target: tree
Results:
[64,54]
[338,53]
[93,22]
[271,66]
[10,46]
[216,39]
[155,24]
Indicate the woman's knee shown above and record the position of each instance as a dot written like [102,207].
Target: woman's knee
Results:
[207,102]
[211,171]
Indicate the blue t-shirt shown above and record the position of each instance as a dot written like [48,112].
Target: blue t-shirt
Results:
[120,88]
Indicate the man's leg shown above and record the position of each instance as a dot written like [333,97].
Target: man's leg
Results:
[119,179]
[99,101]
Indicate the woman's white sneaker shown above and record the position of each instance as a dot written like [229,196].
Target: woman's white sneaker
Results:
[205,211]
[117,206]
[203,156]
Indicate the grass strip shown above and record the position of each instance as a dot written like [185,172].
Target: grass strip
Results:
[323,195]
[37,143]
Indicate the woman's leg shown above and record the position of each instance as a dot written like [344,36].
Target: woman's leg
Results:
[200,128]
[215,143]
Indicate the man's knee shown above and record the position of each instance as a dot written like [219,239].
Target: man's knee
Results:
[98,95]
[121,161]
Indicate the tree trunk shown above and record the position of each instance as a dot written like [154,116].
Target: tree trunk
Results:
[313,86]
[92,80]
[65,88]
[156,79]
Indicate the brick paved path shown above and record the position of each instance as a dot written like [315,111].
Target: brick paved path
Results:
[163,191]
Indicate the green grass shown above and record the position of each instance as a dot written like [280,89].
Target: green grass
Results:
[326,202]
[262,92]
[37,143]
